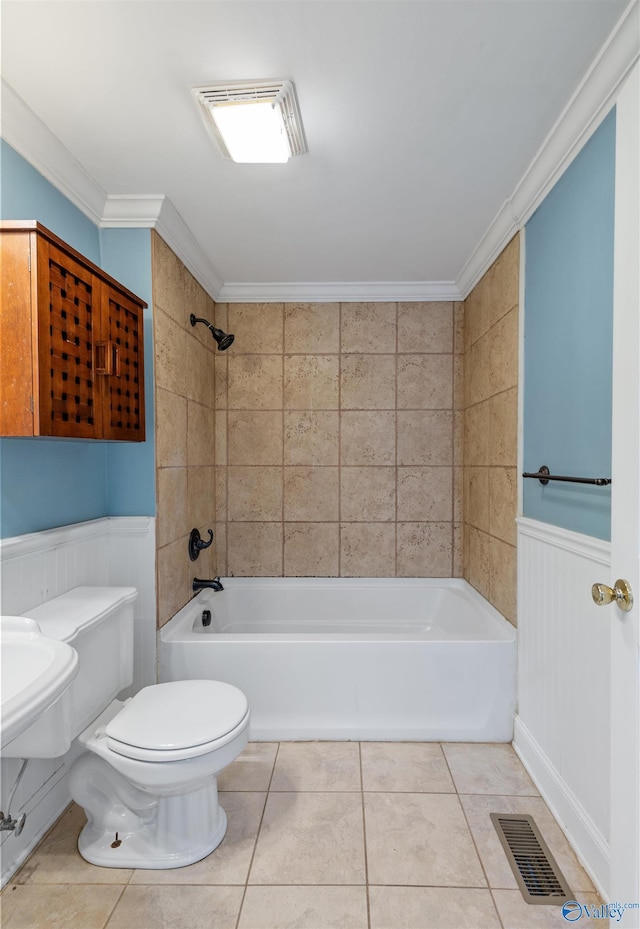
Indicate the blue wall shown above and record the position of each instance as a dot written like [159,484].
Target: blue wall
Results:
[568,338]
[53,482]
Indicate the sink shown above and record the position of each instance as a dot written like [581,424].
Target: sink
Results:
[35,714]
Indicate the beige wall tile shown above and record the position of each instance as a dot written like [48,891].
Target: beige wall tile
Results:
[255,437]
[221,380]
[505,291]
[311,494]
[476,434]
[220,542]
[458,328]
[425,327]
[173,579]
[258,327]
[221,438]
[368,438]
[367,494]
[458,382]
[221,316]
[255,493]
[171,430]
[169,279]
[368,382]
[476,496]
[425,437]
[425,382]
[200,372]
[367,550]
[200,435]
[312,328]
[503,428]
[503,360]
[503,503]
[458,550]
[424,549]
[255,382]
[503,578]
[477,561]
[311,438]
[425,494]
[311,382]
[254,549]
[201,497]
[171,505]
[458,494]
[170,353]
[458,438]
[311,549]
[368,327]
[221,493]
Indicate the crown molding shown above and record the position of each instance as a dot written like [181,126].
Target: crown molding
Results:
[592,100]
[175,232]
[31,138]
[340,291]
[131,211]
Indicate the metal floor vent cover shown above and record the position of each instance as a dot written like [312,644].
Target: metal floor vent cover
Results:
[539,878]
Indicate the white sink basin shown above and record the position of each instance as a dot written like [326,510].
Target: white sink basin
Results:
[35,715]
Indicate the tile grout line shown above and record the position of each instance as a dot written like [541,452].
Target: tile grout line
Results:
[116,904]
[255,844]
[364,839]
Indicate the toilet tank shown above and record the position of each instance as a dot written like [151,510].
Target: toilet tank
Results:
[98,623]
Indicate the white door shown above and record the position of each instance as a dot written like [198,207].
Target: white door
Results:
[625,516]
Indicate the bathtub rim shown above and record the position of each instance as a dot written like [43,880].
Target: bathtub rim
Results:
[179,627]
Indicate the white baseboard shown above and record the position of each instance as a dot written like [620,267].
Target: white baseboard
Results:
[587,841]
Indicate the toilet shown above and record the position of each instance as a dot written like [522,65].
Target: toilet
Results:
[147,777]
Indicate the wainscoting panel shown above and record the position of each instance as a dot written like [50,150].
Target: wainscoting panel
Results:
[562,726]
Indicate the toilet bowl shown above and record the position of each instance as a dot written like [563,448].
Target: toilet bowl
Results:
[148,782]
[147,779]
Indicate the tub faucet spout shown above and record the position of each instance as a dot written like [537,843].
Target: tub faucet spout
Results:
[200,583]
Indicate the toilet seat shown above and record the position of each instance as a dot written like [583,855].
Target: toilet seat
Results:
[178,720]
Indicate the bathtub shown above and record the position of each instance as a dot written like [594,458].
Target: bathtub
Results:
[342,658]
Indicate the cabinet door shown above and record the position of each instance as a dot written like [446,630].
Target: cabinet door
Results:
[121,376]
[68,311]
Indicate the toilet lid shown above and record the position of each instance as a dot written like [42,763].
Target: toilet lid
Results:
[178,715]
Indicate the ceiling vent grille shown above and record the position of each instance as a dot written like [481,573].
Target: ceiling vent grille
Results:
[281,93]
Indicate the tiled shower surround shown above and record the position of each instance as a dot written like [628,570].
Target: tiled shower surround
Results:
[338,440]
[329,439]
[491,430]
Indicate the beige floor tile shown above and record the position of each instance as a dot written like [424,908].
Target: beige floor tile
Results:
[492,855]
[317,766]
[487,768]
[229,863]
[431,907]
[405,766]
[58,906]
[310,838]
[419,839]
[252,769]
[516,914]
[57,860]
[304,908]
[166,907]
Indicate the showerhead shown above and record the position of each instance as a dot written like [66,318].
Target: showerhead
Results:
[223,339]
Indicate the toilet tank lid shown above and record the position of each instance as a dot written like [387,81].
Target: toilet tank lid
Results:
[76,610]
[179,714]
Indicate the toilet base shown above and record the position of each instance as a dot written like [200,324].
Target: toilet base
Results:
[139,849]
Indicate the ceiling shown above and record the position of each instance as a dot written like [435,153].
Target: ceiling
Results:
[421,116]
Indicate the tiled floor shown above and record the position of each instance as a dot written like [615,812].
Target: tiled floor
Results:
[376,835]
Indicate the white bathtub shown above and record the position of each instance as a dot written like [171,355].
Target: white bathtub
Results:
[342,658]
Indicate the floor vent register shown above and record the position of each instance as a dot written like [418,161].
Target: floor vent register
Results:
[539,878]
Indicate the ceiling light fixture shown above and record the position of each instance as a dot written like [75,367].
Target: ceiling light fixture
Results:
[253,122]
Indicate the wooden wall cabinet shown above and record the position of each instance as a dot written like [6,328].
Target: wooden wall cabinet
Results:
[71,342]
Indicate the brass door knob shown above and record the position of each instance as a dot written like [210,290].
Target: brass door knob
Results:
[620,594]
